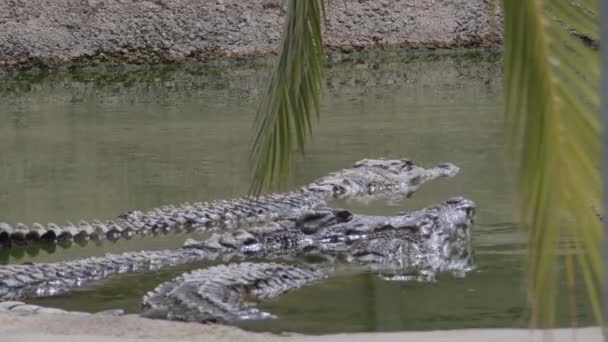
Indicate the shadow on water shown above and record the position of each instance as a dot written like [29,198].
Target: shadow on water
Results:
[93,143]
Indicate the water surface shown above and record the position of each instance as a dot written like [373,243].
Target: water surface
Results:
[92,143]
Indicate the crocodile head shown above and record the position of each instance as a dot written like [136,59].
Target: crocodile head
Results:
[427,241]
[379,176]
[439,241]
[338,225]
[451,244]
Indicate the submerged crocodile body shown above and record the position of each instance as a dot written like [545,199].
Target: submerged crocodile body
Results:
[366,177]
[406,246]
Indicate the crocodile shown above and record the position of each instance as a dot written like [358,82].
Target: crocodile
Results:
[405,246]
[368,177]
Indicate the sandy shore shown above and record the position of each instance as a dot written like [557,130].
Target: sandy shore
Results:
[94,328]
[60,32]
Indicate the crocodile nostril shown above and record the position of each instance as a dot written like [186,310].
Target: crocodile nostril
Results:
[462,226]
[444,166]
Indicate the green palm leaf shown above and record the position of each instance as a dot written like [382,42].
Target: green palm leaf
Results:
[551,85]
[551,81]
[284,117]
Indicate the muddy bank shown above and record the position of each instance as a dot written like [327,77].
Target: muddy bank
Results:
[67,327]
[60,32]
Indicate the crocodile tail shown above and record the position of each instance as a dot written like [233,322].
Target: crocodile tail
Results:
[47,279]
[23,234]
[225,213]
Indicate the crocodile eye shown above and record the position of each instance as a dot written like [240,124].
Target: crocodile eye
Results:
[454,201]
[350,232]
[250,241]
[384,228]
[310,229]
[412,229]
[344,215]
[407,164]
[338,189]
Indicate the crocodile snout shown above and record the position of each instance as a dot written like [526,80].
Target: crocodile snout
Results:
[447,169]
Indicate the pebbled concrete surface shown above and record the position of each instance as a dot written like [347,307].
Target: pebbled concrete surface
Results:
[59,32]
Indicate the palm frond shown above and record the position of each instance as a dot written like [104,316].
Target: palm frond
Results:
[284,117]
[551,85]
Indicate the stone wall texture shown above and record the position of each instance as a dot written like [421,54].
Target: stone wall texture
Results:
[58,32]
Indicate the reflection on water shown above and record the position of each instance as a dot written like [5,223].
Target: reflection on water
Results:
[95,143]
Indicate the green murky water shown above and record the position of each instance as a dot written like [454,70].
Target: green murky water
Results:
[94,143]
